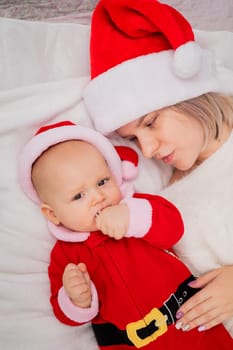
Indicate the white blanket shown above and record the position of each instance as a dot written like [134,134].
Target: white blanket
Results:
[43,69]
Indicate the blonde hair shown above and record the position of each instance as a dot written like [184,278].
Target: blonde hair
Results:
[213,110]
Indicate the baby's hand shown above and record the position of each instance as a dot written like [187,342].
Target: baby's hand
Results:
[113,221]
[76,282]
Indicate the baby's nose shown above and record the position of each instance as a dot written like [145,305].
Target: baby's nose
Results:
[97,196]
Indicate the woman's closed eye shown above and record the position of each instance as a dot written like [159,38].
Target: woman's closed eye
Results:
[151,122]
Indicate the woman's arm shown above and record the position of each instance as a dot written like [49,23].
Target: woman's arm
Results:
[210,306]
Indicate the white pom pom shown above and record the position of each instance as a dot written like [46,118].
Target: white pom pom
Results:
[187,60]
[129,170]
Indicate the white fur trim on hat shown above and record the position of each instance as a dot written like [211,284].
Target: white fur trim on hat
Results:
[143,84]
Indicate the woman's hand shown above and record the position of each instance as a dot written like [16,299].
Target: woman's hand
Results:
[210,306]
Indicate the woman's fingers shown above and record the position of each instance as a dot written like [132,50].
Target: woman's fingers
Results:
[212,305]
[204,317]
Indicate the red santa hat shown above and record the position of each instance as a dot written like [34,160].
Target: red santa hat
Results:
[143,57]
[121,160]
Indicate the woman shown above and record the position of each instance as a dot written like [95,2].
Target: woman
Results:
[154,85]
[185,136]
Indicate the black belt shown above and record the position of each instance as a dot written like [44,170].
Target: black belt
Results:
[153,325]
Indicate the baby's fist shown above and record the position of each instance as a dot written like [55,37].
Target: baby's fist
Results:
[76,282]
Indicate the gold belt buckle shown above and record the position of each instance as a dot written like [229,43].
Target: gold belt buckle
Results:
[133,327]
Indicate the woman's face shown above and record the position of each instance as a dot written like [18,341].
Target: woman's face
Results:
[170,136]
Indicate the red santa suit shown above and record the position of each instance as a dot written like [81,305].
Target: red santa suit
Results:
[137,283]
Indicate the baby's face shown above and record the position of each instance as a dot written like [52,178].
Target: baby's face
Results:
[74,180]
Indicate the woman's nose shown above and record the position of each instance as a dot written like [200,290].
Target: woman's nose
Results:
[148,148]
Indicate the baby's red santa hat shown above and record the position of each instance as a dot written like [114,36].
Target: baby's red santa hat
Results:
[143,57]
[122,160]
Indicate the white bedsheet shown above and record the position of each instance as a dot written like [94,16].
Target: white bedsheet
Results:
[43,69]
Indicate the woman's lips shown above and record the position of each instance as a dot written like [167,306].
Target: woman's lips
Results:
[168,159]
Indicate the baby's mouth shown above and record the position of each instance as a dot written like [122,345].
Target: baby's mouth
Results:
[99,211]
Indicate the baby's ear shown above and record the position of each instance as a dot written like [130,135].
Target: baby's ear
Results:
[49,214]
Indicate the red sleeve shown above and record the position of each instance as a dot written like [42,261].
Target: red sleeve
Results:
[61,254]
[166,223]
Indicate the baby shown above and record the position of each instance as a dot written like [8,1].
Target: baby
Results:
[111,264]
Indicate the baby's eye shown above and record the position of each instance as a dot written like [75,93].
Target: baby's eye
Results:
[102,182]
[78,196]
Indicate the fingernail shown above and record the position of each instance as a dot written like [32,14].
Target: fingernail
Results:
[185,328]
[179,314]
[201,328]
[192,283]
[178,325]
